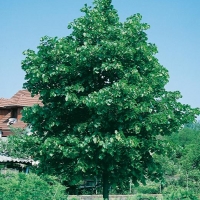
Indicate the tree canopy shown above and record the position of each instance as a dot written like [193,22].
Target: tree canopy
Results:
[104,97]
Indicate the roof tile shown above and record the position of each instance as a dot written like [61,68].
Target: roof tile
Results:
[23,98]
[4,102]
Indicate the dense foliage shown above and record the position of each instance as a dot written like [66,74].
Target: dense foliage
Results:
[18,144]
[183,169]
[20,186]
[104,100]
[181,166]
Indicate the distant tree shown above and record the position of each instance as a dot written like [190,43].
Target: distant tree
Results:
[22,145]
[181,164]
[104,100]
[190,134]
[18,144]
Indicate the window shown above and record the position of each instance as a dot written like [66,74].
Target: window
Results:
[14,113]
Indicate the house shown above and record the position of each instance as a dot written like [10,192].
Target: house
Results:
[10,116]
[10,110]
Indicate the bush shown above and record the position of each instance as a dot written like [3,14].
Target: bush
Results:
[181,194]
[141,197]
[148,189]
[20,186]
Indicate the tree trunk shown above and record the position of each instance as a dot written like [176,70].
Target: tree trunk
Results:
[105,186]
[187,180]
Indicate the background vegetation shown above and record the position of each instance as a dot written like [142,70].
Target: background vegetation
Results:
[21,186]
[180,165]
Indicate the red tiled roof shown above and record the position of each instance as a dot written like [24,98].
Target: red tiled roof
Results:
[4,102]
[23,98]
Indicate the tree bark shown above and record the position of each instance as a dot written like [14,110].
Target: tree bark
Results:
[105,186]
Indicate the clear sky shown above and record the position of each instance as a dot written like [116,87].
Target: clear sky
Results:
[175,29]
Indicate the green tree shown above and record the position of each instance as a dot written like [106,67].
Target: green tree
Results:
[19,144]
[190,134]
[181,163]
[22,145]
[104,100]
[190,164]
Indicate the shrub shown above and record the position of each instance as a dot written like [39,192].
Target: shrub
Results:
[181,194]
[20,186]
[141,197]
[148,189]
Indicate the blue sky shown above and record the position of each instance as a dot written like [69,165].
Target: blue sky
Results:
[175,29]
